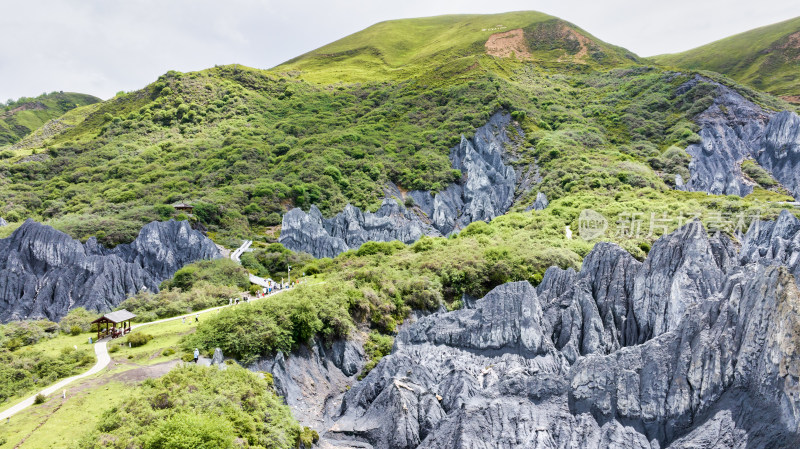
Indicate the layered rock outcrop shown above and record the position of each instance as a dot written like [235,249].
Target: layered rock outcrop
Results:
[313,379]
[697,346]
[734,129]
[321,237]
[44,273]
[486,190]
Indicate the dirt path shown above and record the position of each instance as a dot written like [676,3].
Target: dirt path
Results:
[103,359]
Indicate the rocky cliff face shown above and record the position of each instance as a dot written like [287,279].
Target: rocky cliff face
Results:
[44,273]
[486,190]
[697,346]
[320,237]
[780,152]
[313,379]
[734,129]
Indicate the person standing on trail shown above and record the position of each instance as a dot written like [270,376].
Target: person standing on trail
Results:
[197,318]
[184,320]
[196,354]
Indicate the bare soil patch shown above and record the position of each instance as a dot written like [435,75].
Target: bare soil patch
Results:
[503,45]
[145,372]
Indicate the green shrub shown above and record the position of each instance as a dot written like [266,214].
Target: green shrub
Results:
[17,334]
[217,272]
[167,352]
[376,347]
[372,247]
[307,438]
[267,326]
[23,371]
[114,348]
[198,407]
[758,174]
[137,339]
[168,303]
[40,399]
[75,330]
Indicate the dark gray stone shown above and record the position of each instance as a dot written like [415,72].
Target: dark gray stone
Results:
[540,203]
[780,152]
[313,379]
[44,273]
[485,191]
[217,358]
[694,347]
[734,129]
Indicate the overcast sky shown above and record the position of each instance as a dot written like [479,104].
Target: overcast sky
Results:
[101,47]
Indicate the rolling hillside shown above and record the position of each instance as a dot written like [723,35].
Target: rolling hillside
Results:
[21,117]
[621,307]
[247,145]
[448,47]
[766,58]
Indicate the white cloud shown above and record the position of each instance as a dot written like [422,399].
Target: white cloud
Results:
[104,46]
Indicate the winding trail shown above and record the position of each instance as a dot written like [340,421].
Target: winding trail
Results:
[236,257]
[103,359]
[101,347]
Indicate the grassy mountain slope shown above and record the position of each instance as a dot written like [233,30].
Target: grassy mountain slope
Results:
[246,145]
[767,58]
[605,132]
[21,117]
[447,47]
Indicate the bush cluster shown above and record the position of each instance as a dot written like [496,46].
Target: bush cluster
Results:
[199,408]
[26,369]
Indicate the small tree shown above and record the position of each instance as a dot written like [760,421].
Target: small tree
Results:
[80,318]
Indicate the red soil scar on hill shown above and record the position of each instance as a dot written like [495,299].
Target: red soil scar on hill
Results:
[504,44]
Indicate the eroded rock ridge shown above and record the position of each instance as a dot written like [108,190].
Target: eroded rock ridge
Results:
[734,129]
[696,347]
[44,273]
[486,190]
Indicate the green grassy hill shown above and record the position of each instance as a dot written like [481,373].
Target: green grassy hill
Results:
[766,58]
[604,130]
[246,145]
[21,117]
[447,47]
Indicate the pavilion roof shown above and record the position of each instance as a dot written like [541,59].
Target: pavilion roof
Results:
[115,317]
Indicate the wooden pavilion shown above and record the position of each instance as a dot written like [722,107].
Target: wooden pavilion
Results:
[183,207]
[111,321]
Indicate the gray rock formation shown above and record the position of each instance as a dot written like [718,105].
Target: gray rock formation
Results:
[486,190]
[313,379]
[44,273]
[217,358]
[774,243]
[306,232]
[697,346]
[487,186]
[780,151]
[3,222]
[734,129]
[539,204]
